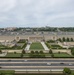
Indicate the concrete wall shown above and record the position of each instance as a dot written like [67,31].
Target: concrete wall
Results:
[12,51]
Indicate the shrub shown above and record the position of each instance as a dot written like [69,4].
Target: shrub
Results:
[60,39]
[51,41]
[68,39]
[14,52]
[50,51]
[71,39]
[67,71]
[36,52]
[41,52]
[32,52]
[0,51]
[63,39]
[23,51]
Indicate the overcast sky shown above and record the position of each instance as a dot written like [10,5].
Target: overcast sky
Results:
[31,13]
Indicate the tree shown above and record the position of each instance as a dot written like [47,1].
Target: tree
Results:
[41,52]
[14,52]
[50,51]
[63,39]
[71,39]
[32,52]
[36,52]
[60,40]
[0,51]
[67,71]
[68,39]
[23,51]
[59,52]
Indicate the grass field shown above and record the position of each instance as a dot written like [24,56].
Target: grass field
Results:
[55,46]
[13,55]
[62,55]
[41,74]
[20,44]
[36,46]
[2,46]
[26,55]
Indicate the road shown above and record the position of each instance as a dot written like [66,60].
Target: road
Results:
[35,64]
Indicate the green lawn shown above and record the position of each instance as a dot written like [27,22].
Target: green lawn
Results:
[2,46]
[20,44]
[26,55]
[47,55]
[55,46]
[13,55]
[42,74]
[14,47]
[7,72]
[62,55]
[17,46]
[36,46]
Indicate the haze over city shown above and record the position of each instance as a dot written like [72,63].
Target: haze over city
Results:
[36,13]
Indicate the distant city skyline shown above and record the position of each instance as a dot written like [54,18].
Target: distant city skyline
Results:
[36,13]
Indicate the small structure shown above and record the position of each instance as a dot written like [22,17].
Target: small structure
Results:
[36,39]
[17,38]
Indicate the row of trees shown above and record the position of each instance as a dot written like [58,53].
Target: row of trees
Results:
[68,29]
[66,39]
[37,54]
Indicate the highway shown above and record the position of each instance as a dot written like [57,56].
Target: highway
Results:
[35,60]
[35,64]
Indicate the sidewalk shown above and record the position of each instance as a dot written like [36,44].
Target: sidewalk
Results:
[44,46]
[3,54]
[27,47]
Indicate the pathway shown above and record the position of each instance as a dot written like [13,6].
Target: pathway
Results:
[3,54]
[44,46]
[27,47]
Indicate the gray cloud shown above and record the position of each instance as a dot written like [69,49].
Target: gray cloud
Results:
[36,13]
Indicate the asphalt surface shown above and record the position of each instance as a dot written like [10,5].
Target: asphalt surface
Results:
[35,64]
[30,60]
